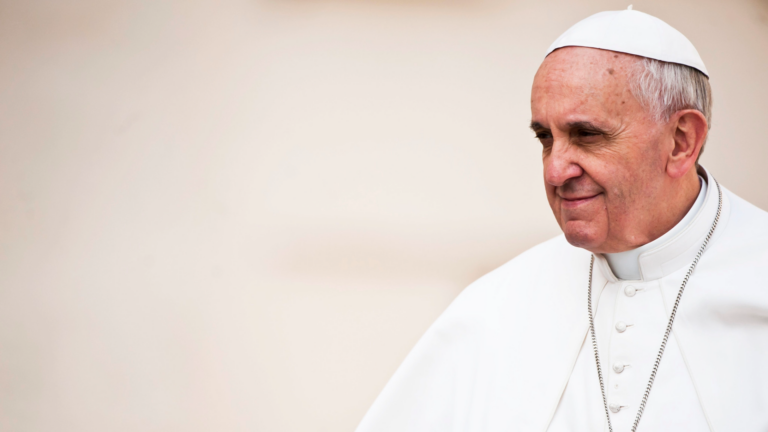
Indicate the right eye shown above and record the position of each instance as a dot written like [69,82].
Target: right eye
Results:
[545,138]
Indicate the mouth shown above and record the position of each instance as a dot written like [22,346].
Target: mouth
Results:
[574,202]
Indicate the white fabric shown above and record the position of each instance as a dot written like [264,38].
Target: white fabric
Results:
[625,265]
[673,405]
[632,32]
[500,357]
[643,312]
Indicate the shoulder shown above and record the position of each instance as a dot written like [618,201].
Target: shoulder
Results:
[459,359]
[537,273]
[747,215]
[746,225]
[536,264]
[739,253]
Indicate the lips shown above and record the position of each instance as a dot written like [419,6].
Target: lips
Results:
[575,202]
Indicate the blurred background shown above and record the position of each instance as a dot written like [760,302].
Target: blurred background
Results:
[240,215]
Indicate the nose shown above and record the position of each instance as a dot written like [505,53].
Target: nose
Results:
[560,165]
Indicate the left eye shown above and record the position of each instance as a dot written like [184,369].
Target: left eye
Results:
[585,133]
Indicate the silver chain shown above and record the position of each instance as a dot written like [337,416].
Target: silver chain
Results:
[669,325]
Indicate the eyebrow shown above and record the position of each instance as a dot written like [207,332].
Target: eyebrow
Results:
[536,126]
[585,125]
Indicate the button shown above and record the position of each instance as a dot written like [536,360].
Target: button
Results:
[618,367]
[621,326]
[614,407]
[630,291]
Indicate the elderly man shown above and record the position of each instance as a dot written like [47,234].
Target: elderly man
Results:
[651,311]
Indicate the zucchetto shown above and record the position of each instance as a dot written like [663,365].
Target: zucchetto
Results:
[632,32]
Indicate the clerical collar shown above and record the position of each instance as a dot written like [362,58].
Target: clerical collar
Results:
[674,249]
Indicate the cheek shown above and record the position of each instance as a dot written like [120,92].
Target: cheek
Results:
[614,175]
[625,188]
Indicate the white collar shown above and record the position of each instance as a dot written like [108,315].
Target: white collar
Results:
[671,252]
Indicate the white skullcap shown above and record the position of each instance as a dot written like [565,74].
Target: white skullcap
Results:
[632,32]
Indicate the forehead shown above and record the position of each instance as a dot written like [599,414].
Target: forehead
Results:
[578,80]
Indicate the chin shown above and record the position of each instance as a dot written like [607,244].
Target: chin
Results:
[583,235]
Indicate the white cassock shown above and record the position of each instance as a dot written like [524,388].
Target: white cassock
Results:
[512,352]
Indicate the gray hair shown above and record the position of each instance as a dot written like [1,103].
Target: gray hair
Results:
[666,88]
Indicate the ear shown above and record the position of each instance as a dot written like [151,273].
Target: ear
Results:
[689,132]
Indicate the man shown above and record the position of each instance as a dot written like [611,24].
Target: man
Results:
[674,333]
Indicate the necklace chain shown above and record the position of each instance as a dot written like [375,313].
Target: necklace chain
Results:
[669,325]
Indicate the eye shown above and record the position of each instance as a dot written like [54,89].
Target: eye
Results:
[546,140]
[587,133]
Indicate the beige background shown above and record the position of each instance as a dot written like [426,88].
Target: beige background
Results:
[241,215]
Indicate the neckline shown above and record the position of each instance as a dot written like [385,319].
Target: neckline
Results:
[680,249]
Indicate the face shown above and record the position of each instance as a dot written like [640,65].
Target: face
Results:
[604,155]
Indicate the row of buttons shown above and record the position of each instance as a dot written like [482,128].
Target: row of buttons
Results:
[621,327]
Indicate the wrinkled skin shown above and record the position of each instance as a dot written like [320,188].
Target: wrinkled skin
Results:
[615,178]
